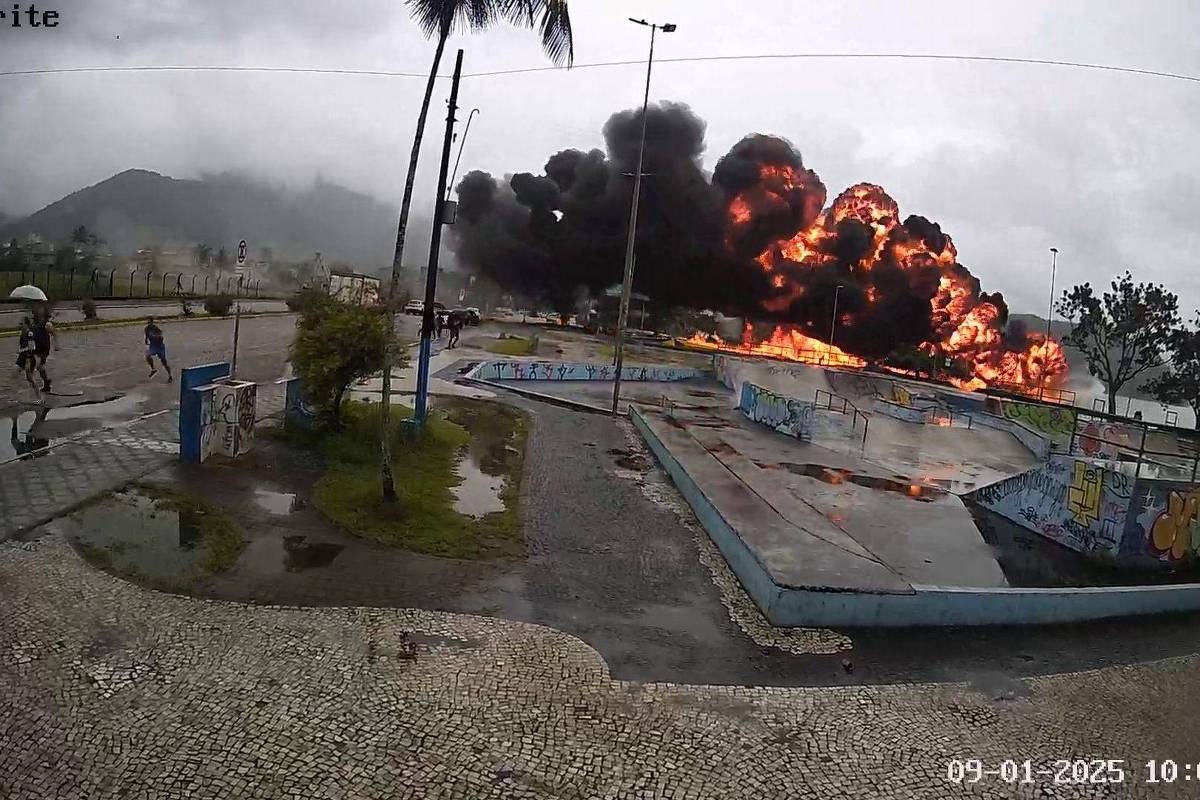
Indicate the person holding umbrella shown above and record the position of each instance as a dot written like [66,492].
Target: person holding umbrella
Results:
[43,329]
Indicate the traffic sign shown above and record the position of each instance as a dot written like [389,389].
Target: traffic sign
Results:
[241,257]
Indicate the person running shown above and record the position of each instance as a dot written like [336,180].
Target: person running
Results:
[454,322]
[155,346]
[26,359]
[43,337]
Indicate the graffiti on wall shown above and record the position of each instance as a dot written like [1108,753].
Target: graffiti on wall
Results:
[901,395]
[1056,424]
[1072,502]
[1163,523]
[560,371]
[786,415]
[1097,439]
[227,419]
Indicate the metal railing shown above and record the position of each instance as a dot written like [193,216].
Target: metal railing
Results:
[936,415]
[1115,442]
[846,408]
[77,285]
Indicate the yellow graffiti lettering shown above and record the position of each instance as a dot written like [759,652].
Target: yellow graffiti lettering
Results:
[901,395]
[1083,496]
[1172,531]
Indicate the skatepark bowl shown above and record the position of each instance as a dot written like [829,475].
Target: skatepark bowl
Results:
[846,497]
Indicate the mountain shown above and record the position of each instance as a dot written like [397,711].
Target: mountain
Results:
[138,208]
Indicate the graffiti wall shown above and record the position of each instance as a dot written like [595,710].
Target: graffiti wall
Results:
[298,411]
[1162,524]
[560,371]
[1068,500]
[787,415]
[1096,438]
[1056,423]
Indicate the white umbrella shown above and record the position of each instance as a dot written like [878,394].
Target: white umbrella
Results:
[28,292]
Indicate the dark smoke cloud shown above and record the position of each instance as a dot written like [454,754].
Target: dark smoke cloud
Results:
[721,244]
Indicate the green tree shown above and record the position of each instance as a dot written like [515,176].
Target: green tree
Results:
[1122,332]
[438,19]
[1180,383]
[13,258]
[202,255]
[222,260]
[66,258]
[336,344]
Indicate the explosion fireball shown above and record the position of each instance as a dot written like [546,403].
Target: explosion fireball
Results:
[757,240]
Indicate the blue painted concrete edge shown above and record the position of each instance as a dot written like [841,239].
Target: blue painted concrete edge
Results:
[927,605]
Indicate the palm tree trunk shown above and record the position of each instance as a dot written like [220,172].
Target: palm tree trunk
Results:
[385,466]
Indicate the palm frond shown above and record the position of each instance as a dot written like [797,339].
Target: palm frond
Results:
[550,18]
[438,17]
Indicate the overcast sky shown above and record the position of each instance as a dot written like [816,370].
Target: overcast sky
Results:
[1010,159]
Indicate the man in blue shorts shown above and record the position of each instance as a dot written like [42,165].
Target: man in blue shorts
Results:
[155,346]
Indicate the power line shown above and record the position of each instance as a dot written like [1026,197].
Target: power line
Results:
[605,64]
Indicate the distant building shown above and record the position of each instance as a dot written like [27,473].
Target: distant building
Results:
[354,287]
[39,255]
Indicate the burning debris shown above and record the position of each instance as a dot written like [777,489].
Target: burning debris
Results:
[758,240]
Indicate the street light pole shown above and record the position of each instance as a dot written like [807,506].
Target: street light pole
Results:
[627,284]
[833,322]
[1049,317]
[461,145]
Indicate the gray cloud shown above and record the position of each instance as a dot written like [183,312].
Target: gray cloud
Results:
[1009,159]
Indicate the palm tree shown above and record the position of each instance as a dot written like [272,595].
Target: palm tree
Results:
[440,18]
[202,253]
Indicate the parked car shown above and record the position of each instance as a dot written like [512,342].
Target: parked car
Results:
[417,307]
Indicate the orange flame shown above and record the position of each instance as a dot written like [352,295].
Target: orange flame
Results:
[785,342]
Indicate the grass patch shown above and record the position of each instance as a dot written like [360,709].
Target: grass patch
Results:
[608,351]
[424,465]
[220,535]
[513,346]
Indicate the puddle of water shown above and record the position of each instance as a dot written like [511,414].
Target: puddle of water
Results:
[299,555]
[479,493]
[275,503]
[30,432]
[836,477]
[268,556]
[130,535]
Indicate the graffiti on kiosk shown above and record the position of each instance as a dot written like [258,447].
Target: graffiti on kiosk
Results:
[787,415]
[1072,502]
[560,371]
[1055,423]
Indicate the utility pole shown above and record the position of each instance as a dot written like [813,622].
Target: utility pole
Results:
[461,145]
[627,284]
[833,321]
[435,243]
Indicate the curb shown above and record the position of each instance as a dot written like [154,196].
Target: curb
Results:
[574,405]
[935,606]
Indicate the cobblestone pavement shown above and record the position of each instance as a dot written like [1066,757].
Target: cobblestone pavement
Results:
[114,691]
[34,490]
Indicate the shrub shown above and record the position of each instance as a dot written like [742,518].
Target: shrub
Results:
[336,344]
[88,307]
[304,298]
[218,304]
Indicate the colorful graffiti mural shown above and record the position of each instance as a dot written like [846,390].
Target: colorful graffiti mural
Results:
[1055,423]
[901,395]
[1072,502]
[787,415]
[1163,522]
[561,371]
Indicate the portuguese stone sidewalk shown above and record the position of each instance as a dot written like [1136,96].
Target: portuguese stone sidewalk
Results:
[36,489]
[109,690]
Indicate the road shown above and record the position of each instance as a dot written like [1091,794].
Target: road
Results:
[10,316]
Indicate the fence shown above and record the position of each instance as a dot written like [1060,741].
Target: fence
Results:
[117,283]
[1126,441]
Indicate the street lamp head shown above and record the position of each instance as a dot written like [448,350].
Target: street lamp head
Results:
[638,21]
[669,27]
[1053,249]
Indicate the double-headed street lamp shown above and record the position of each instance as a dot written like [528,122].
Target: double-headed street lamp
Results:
[627,285]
